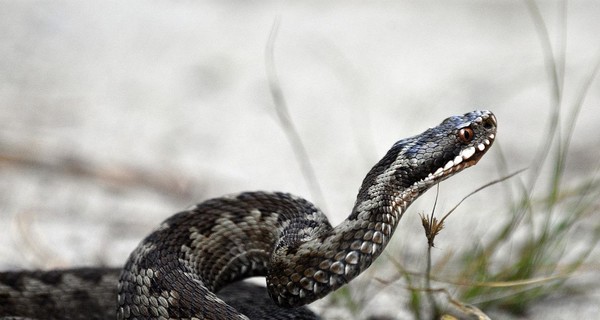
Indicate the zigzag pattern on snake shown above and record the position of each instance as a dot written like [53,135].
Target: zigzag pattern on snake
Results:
[183,269]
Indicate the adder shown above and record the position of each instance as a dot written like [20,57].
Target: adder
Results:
[189,266]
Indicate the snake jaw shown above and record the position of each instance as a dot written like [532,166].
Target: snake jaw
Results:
[485,134]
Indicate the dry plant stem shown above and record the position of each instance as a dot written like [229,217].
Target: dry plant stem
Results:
[430,238]
[556,91]
[574,115]
[433,227]
[491,284]
[435,308]
[556,96]
[286,123]
[464,308]
[571,122]
[479,189]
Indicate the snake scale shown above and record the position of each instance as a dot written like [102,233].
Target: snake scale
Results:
[188,266]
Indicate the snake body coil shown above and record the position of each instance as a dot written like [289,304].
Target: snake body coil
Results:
[178,269]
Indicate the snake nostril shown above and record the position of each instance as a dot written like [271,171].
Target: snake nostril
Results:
[489,123]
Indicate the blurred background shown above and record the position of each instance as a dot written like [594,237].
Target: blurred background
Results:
[115,115]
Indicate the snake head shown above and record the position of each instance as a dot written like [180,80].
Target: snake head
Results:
[460,142]
[415,164]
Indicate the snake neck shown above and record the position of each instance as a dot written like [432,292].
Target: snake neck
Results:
[307,268]
[338,255]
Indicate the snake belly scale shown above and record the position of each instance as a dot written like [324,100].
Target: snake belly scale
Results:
[185,267]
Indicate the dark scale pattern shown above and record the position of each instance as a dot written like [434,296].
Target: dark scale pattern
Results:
[178,269]
[86,293]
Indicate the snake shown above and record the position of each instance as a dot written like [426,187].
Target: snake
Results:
[191,265]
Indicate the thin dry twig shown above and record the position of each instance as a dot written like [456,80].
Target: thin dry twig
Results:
[479,189]
[432,228]
[490,284]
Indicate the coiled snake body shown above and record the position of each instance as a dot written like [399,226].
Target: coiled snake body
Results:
[178,269]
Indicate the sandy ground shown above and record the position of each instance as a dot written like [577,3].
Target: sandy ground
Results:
[113,116]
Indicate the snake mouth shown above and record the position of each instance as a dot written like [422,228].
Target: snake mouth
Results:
[466,158]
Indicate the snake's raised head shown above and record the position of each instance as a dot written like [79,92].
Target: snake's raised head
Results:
[415,164]
[457,143]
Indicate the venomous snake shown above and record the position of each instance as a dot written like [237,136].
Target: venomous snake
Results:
[177,271]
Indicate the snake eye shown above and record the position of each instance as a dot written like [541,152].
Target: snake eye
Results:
[465,135]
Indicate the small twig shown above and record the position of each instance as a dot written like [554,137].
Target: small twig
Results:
[433,227]
[437,194]
[431,230]
[430,224]
[466,308]
[479,189]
